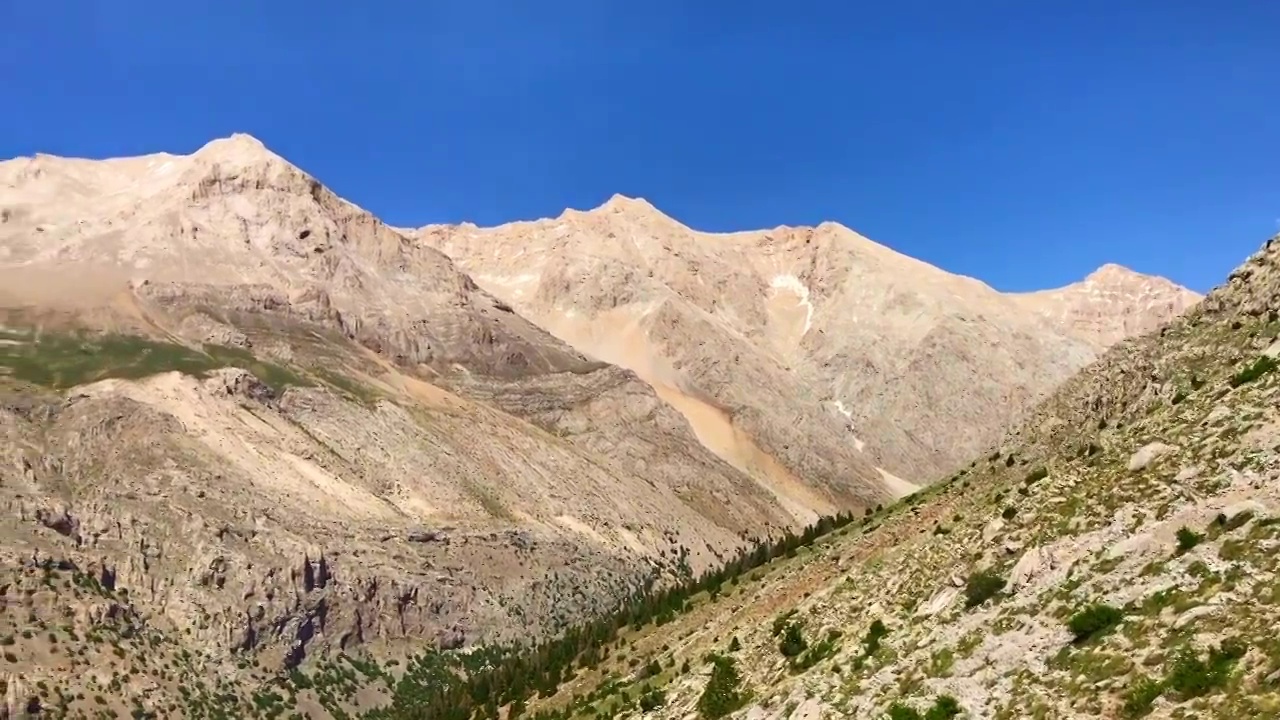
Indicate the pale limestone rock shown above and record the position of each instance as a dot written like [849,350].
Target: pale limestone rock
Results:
[1257,508]
[1148,454]
[1195,613]
[939,602]
[992,529]
[1187,473]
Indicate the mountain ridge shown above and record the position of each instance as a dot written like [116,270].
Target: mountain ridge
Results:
[243,146]
[559,272]
[619,203]
[1086,308]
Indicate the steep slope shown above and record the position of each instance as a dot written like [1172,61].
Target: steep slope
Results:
[813,341]
[1113,557]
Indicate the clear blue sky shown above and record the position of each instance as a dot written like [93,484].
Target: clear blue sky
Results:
[1021,142]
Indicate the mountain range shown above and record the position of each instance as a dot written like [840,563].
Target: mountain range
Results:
[252,423]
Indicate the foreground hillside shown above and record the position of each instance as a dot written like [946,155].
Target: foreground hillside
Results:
[1115,557]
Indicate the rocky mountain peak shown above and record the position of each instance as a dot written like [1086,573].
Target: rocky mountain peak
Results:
[619,203]
[238,146]
[1112,275]
[1111,271]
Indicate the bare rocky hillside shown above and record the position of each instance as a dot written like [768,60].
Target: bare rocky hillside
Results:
[808,341]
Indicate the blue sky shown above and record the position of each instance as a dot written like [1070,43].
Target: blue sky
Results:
[1024,143]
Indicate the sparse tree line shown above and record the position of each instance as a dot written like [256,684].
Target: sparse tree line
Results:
[475,685]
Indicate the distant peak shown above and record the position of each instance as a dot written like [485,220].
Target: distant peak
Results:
[622,203]
[1112,271]
[1120,278]
[241,146]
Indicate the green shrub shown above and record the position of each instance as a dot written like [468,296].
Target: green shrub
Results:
[871,641]
[816,654]
[899,711]
[944,708]
[1260,367]
[1093,621]
[1187,539]
[982,586]
[793,642]
[1191,676]
[1140,696]
[723,693]
[1036,475]
[652,700]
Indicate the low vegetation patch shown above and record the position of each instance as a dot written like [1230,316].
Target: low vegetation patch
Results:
[1140,697]
[1190,675]
[652,699]
[944,707]
[1194,676]
[819,652]
[1260,367]
[1188,539]
[1093,622]
[63,360]
[981,587]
